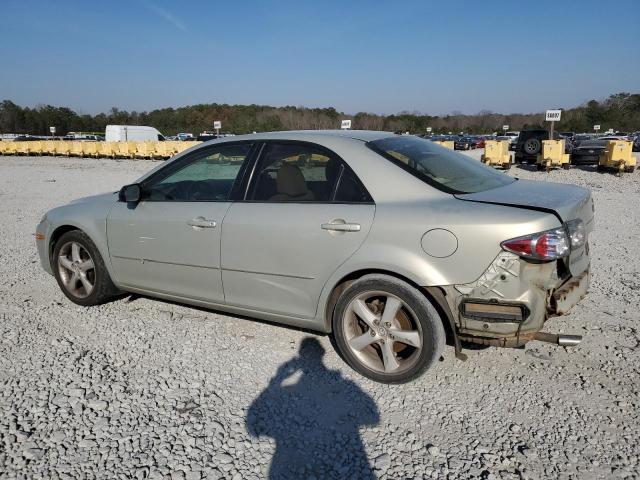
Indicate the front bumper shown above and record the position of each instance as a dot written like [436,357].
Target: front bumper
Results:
[42,244]
[584,159]
[538,290]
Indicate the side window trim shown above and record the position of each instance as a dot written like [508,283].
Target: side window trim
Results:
[336,187]
[259,153]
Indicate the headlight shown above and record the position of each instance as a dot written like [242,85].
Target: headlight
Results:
[577,233]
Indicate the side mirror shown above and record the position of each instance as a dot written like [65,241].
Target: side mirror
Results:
[130,193]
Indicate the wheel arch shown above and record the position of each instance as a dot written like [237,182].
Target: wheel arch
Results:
[56,234]
[435,295]
[93,232]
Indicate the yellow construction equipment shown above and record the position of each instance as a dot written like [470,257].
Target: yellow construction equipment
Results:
[49,147]
[62,148]
[163,150]
[90,149]
[618,156]
[445,143]
[496,154]
[28,148]
[553,156]
[145,149]
[182,146]
[107,149]
[76,149]
[11,148]
[151,149]
[125,149]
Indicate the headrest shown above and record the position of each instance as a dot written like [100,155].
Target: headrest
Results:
[290,181]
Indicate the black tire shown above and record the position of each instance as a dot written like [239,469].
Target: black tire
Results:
[532,146]
[103,288]
[416,308]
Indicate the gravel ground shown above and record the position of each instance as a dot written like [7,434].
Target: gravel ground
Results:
[142,388]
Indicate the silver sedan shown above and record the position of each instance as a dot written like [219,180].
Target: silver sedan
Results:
[390,243]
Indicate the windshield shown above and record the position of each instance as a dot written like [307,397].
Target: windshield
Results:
[440,167]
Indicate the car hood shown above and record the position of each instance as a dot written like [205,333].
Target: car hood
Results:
[567,202]
[592,146]
[100,198]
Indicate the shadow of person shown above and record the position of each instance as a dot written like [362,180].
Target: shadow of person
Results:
[315,421]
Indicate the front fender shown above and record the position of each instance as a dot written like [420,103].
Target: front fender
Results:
[89,216]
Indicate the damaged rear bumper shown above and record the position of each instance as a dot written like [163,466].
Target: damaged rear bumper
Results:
[509,304]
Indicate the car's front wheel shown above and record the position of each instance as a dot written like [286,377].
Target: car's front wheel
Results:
[386,329]
[80,270]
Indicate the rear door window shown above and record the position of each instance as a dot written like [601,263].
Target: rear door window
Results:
[300,172]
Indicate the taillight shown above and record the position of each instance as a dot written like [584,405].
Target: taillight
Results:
[577,233]
[548,245]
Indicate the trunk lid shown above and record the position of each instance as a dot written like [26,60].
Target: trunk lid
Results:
[566,202]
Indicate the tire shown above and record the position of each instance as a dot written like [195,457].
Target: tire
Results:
[532,146]
[78,249]
[380,356]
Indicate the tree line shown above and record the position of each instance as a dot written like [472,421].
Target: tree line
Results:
[620,112]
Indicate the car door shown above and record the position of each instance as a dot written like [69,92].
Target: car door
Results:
[304,214]
[169,242]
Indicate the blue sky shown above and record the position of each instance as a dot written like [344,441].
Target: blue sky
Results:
[374,56]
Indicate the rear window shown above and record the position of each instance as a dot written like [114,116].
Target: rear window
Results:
[440,167]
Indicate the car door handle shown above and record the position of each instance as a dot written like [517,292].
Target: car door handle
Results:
[201,222]
[341,226]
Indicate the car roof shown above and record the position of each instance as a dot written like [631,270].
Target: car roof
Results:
[313,135]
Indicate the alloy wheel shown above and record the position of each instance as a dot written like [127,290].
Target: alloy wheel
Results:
[76,269]
[382,332]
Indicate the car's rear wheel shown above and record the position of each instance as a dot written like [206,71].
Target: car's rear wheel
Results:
[386,329]
[532,146]
[80,270]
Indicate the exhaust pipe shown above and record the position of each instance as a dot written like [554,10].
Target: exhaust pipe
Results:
[558,339]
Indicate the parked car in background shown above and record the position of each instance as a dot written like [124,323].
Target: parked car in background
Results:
[382,240]
[185,137]
[568,143]
[581,137]
[588,151]
[636,144]
[465,143]
[513,135]
[529,144]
